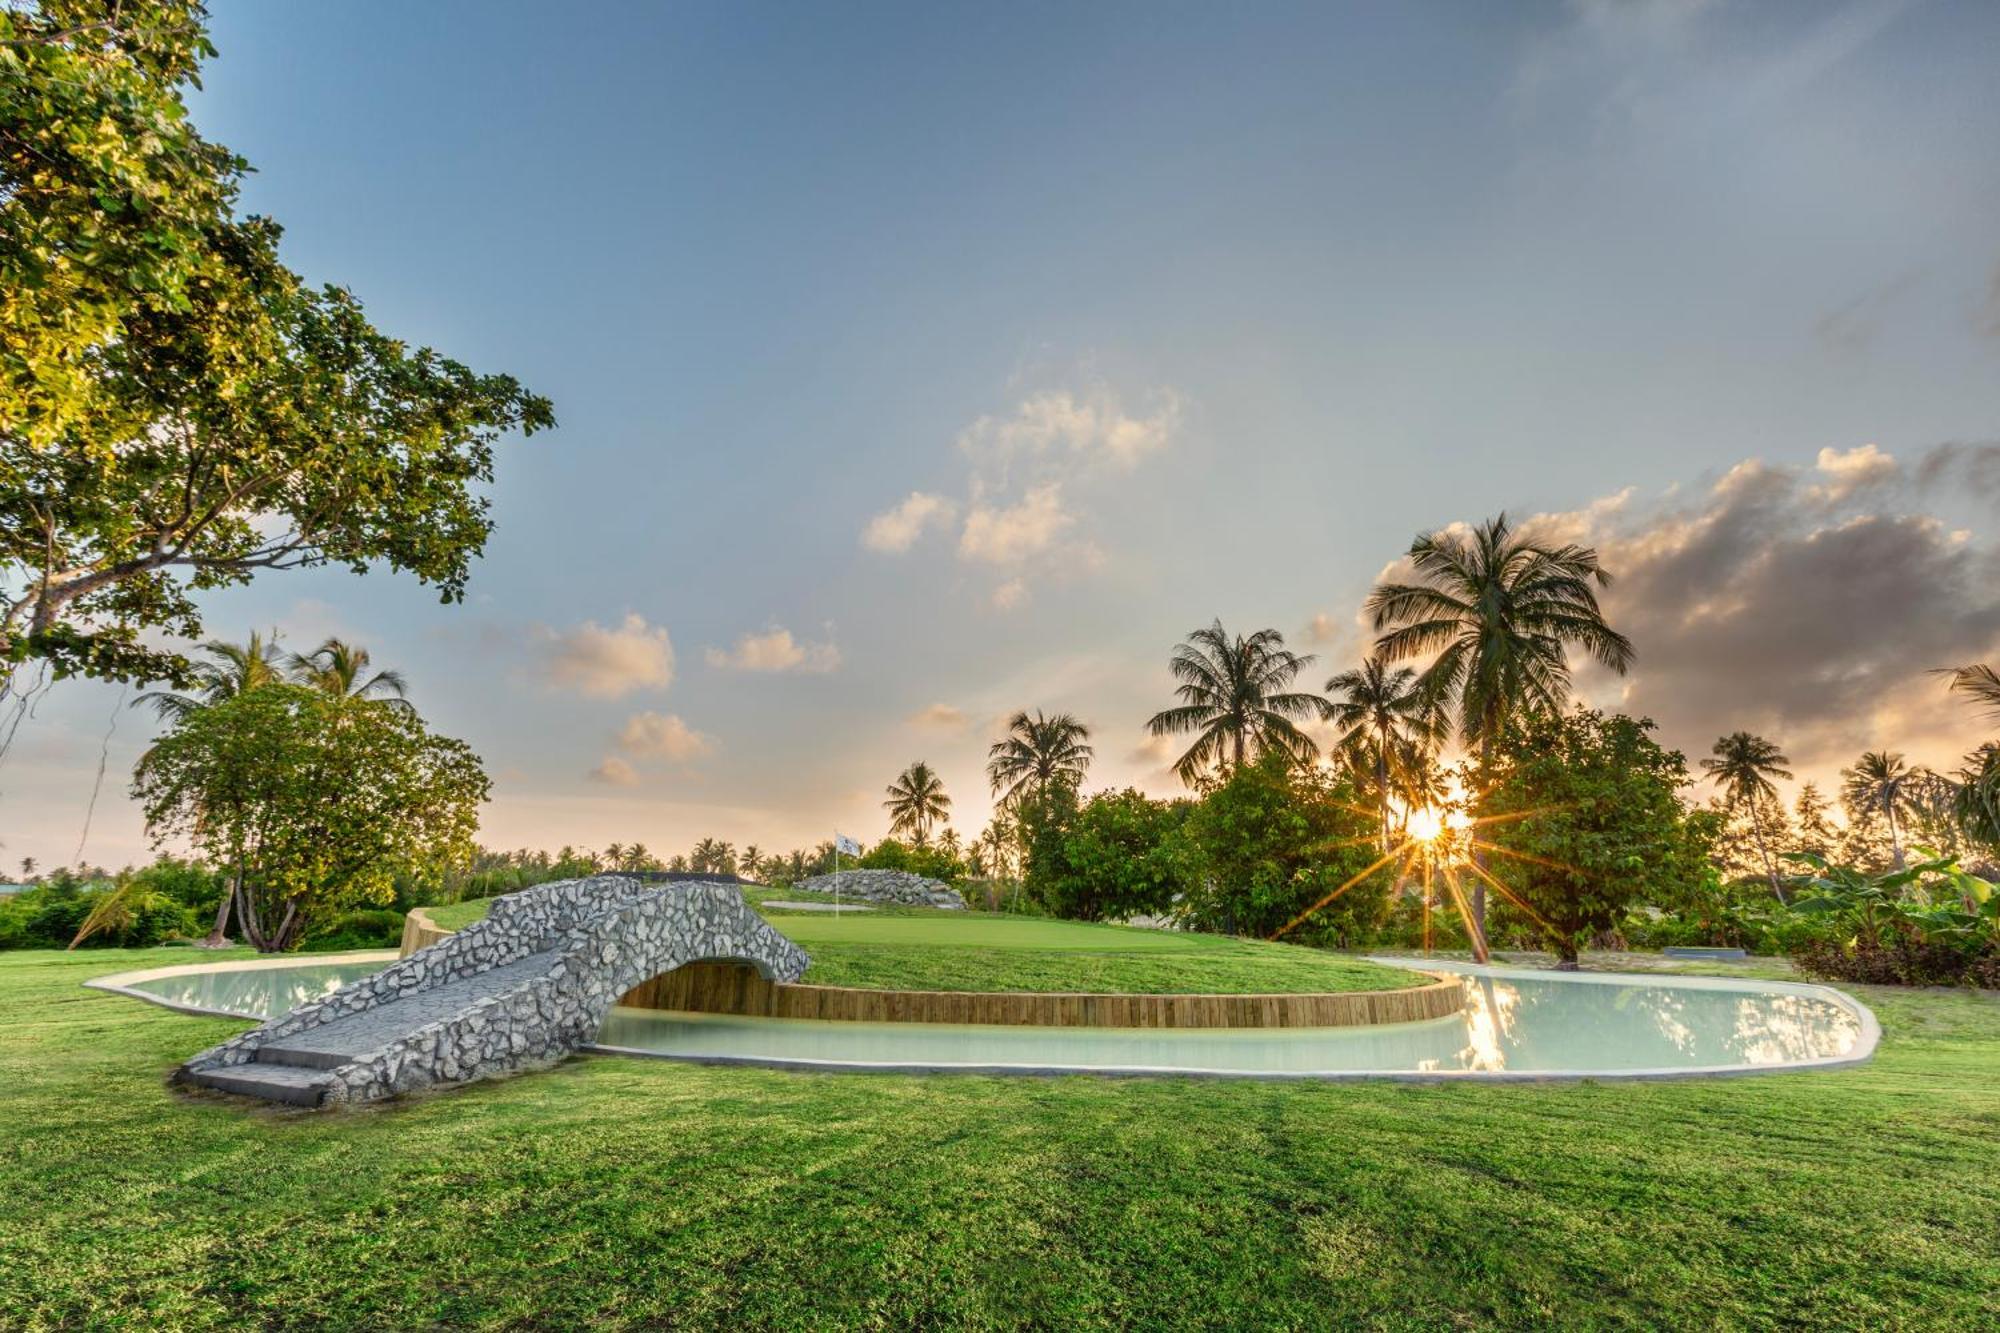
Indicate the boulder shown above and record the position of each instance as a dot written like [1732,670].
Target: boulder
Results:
[886,886]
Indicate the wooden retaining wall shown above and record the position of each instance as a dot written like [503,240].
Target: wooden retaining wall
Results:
[736,988]
[732,988]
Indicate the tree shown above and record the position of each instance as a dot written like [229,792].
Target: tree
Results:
[1743,767]
[1882,782]
[1035,752]
[340,670]
[1277,847]
[1389,728]
[1235,703]
[1810,811]
[1113,856]
[232,669]
[1500,612]
[1980,684]
[1586,813]
[312,806]
[916,801]
[1976,798]
[178,410]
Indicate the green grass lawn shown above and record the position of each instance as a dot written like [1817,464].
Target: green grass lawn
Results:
[924,949]
[615,1193]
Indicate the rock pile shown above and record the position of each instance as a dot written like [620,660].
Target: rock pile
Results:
[886,886]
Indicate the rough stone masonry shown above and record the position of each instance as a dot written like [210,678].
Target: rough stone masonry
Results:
[519,990]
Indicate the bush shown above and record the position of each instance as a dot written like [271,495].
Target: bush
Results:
[930,862]
[372,928]
[1268,844]
[1111,857]
[1900,959]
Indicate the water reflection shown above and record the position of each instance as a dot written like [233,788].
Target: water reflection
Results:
[1510,1023]
[256,993]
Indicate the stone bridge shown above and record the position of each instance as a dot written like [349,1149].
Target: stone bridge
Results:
[519,990]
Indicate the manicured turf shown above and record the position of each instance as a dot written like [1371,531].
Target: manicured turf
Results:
[617,1193]
[932,950]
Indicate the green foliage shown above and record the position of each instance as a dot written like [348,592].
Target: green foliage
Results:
[314,803]
[1588,809]
[133,909]
[932,862]
[1270,841]
[1114,856]
[178,411]
[367,928]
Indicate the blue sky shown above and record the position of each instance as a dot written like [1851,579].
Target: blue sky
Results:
[1163,313]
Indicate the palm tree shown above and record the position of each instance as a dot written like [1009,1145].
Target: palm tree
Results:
[340,669]
[1234,701]
[916,801]
[1743,767]
[234,668]
[1037,751]
[1386,720]
[1881,781]
[1980,682]
[1500,612]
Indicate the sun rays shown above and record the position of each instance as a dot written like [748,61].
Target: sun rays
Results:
[1438,854]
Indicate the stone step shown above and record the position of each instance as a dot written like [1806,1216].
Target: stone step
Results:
[301,1056]
[274,1083]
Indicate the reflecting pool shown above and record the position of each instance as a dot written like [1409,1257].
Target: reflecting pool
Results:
[1514,1023]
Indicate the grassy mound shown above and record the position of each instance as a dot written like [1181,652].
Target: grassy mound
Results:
[921,949]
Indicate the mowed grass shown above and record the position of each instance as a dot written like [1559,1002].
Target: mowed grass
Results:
[616,1194]
[920,949]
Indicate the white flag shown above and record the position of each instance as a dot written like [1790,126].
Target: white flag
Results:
[845,845]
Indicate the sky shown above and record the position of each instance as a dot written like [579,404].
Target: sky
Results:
[917,364]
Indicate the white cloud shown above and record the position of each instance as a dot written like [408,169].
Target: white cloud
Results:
[663,736]
[608,663]
[1010,534]
[775,650]
[615,772]
[938,717]
[895,530]
[1009,595]
[1852,470]
[1091,425]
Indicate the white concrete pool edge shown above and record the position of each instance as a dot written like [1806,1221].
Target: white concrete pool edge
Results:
[120,983]
[1867,1039]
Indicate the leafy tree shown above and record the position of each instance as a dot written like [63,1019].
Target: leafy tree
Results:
[1035,752]
[1500,612]
[178,410]
[916,801]
[1235,701]
[1810,811]
[1743,767]
[1589,822]
[1111,857]
[1976,798]
[1881,782]
[1266,846]
[1390,727]
[1980,684]
[312,806]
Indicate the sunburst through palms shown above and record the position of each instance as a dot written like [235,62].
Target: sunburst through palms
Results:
[1433,854]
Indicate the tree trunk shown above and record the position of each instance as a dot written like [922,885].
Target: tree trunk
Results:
[1566,955]
[1770,866]
[219,935]
[1895,837]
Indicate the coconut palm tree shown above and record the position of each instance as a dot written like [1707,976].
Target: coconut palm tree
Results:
[1500,611]
[1035,752]
[1235,703]
[233,669]
[1388,723]
[916,801]
[1743,767]
[340,669]
[1882,782]
[1979,683]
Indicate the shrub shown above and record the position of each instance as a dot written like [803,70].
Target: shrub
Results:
[1902,958]
[1108,858]
[374,928]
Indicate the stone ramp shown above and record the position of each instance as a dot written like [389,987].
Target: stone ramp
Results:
[520,990]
